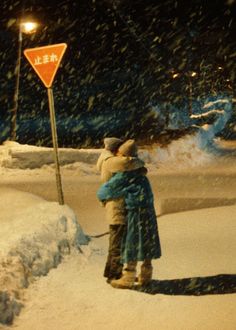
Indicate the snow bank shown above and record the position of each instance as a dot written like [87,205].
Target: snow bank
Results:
[179,154]
[15,155]
[183,153]
[35,234]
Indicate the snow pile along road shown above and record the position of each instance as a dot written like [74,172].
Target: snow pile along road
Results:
[182,153]
[35,234]
[14,155]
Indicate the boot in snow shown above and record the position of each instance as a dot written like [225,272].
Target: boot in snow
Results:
[126,281]
[145,276]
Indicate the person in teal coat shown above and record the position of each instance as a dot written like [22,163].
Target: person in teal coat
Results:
[141,239]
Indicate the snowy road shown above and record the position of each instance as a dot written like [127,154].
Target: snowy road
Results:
[75,296]
[173,191]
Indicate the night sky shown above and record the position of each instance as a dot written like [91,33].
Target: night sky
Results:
[120,59]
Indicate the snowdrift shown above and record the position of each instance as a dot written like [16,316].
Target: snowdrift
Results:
[35,234]
[179,154]
[14,155]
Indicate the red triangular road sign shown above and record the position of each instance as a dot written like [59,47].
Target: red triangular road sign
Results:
[45,61]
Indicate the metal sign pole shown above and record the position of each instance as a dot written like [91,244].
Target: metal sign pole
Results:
[55,146]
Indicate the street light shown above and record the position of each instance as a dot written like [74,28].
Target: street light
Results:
[193,74]
[27,28]
[175,75]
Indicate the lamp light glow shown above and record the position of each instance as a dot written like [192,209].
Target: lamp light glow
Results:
[193,74]
[175,75]
[28,27]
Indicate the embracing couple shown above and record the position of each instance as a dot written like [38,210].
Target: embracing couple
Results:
[127,196]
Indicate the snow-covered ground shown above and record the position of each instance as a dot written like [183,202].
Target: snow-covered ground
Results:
[195,198]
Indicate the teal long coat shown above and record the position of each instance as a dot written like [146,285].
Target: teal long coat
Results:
[141,239]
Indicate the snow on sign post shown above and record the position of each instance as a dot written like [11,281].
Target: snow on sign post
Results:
[45,61]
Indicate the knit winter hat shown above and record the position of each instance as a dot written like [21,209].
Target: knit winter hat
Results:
[112,143]
[128,148]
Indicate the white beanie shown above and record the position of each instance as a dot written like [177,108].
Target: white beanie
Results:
[128,148]
[112,143]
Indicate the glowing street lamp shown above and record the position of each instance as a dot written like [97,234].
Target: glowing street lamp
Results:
[193,74]
[175,75]
[27,28]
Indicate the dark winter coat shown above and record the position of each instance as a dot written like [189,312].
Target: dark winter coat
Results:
[141,240]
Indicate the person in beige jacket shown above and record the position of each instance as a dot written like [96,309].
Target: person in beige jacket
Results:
[111,161]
